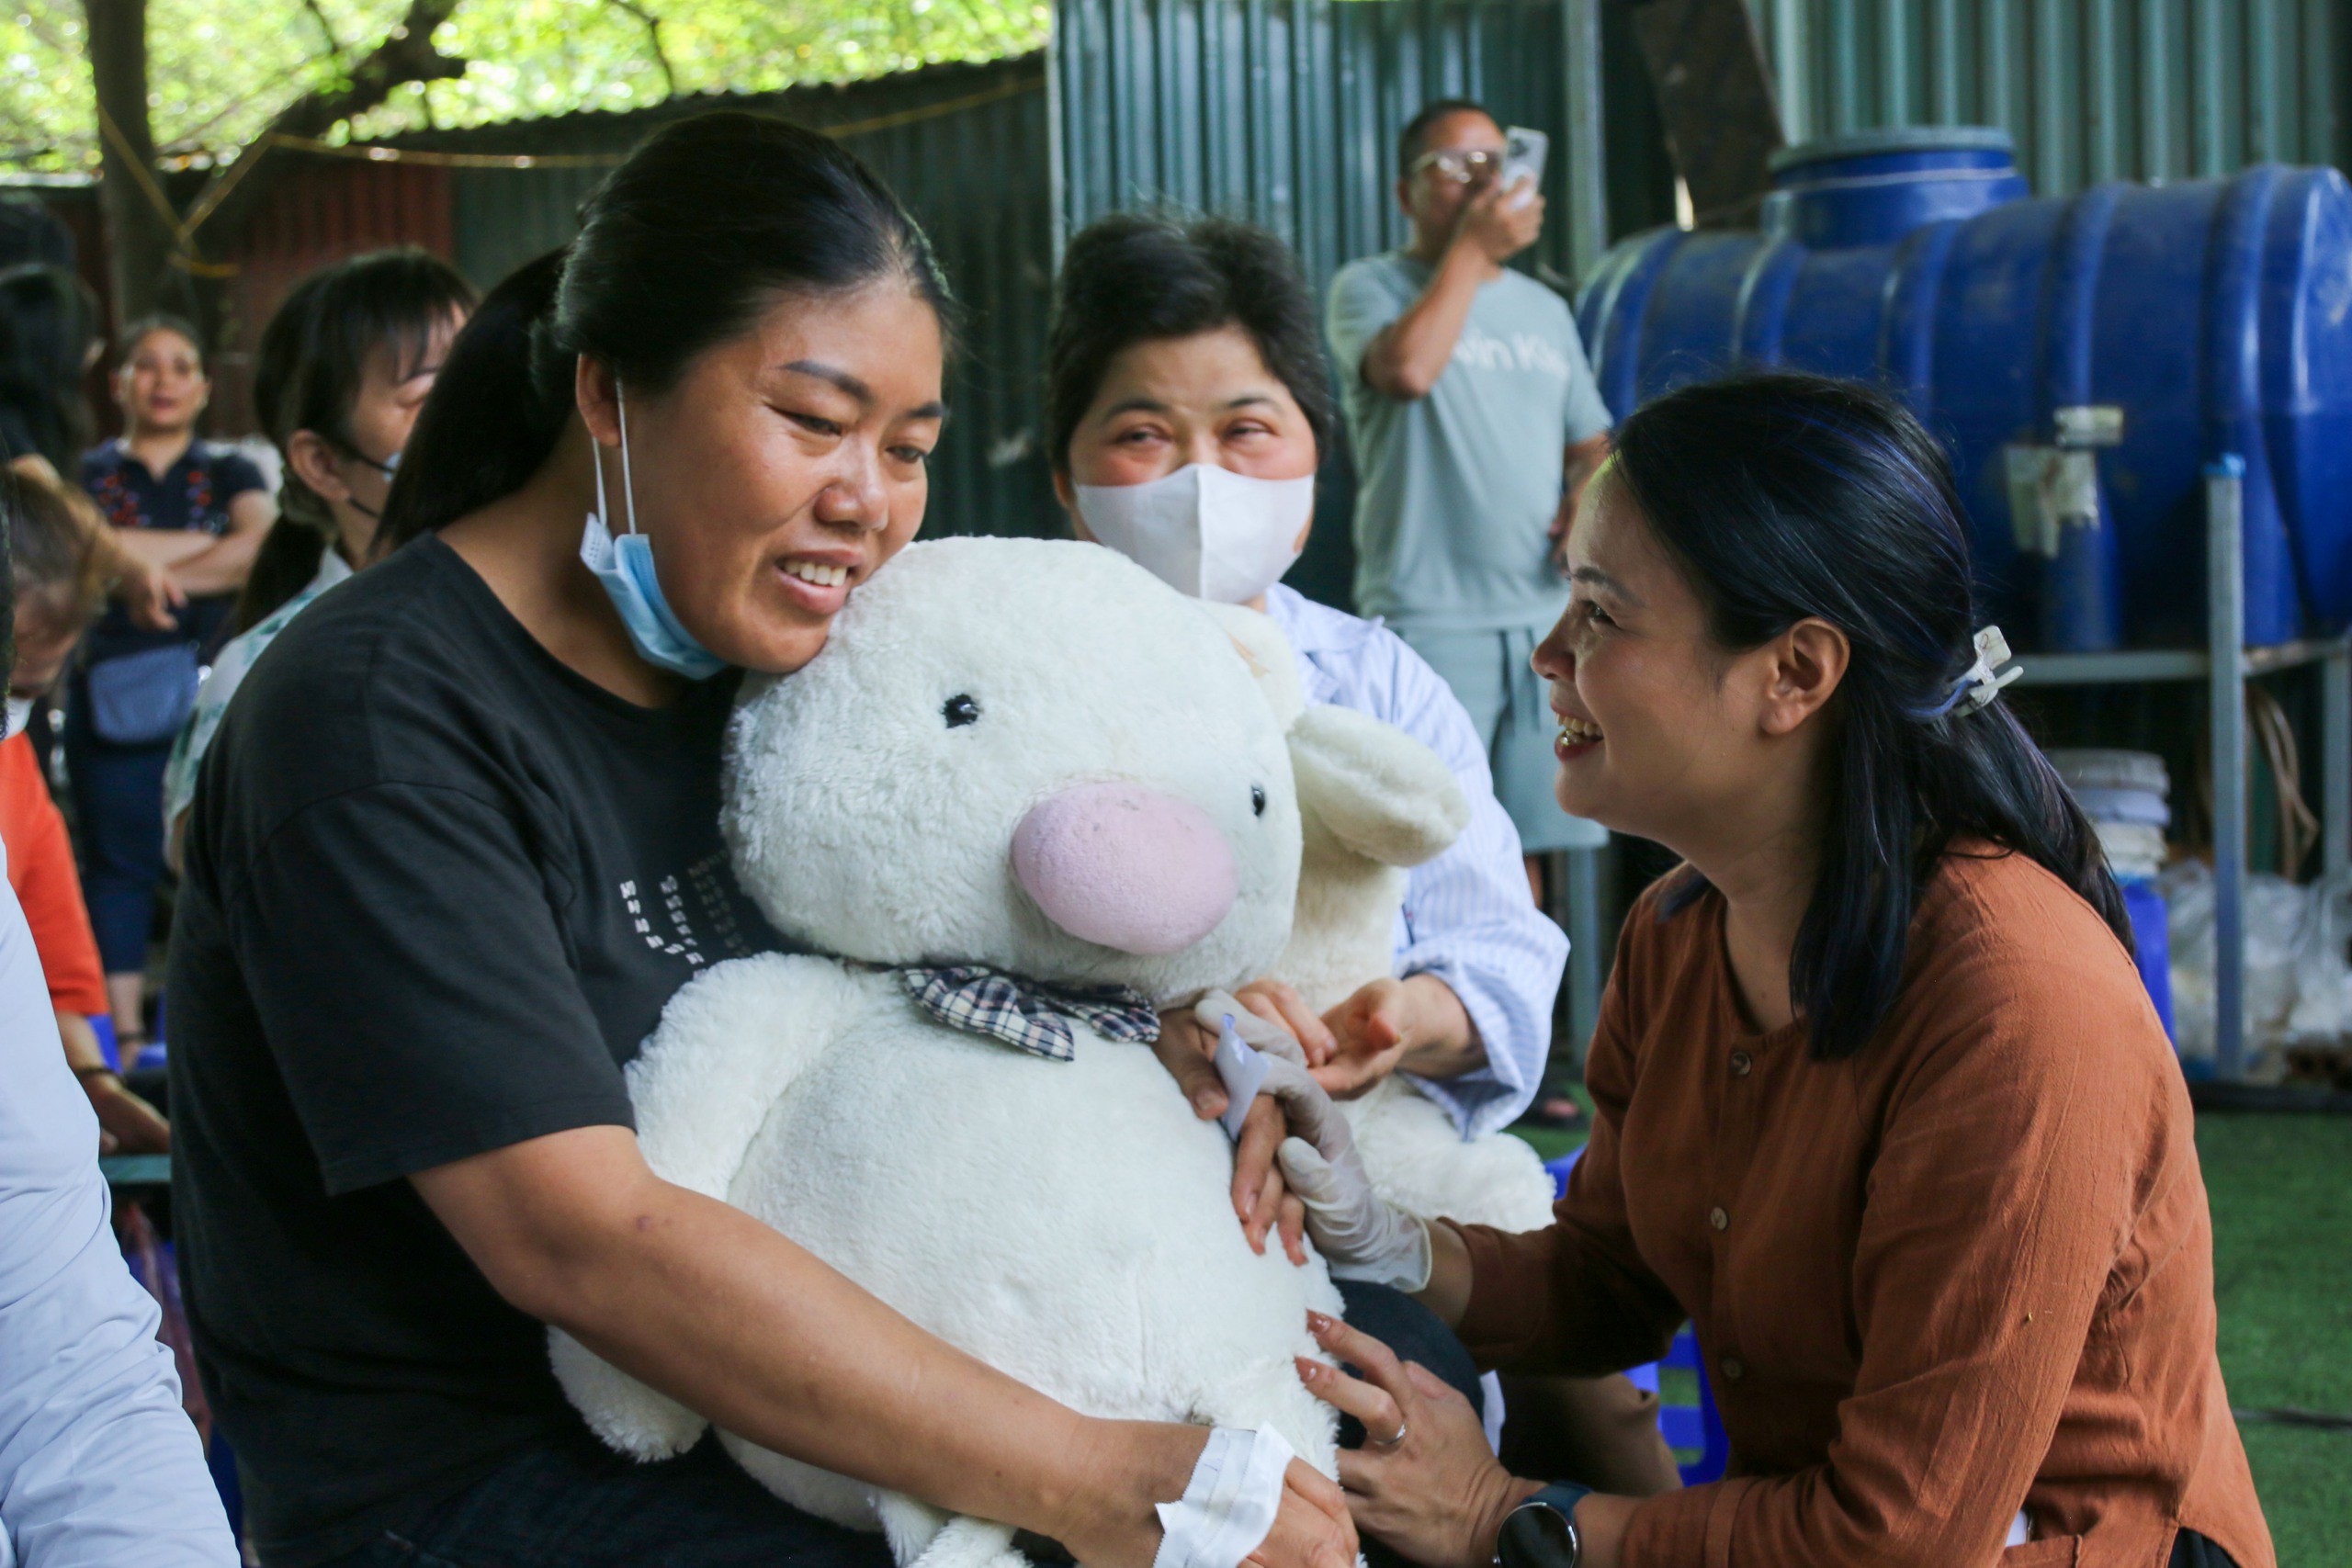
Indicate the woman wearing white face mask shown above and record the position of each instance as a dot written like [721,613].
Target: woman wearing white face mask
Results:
[1188,404]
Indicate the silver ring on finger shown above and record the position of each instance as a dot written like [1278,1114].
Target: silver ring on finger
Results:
[1388,1442]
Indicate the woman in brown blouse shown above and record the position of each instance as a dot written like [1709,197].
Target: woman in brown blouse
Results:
[1883,1107]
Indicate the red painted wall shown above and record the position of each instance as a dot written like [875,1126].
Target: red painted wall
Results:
[317,210]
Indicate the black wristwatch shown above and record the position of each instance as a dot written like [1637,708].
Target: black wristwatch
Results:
[1542,1531]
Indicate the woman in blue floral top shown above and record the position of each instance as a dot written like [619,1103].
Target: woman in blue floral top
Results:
[198,511]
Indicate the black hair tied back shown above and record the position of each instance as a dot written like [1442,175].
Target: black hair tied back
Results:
[1785,497]
[309,374]
[48,319]
[1146,276]
[707,224]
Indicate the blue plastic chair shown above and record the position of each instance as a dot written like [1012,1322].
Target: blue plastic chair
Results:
[1685,1427]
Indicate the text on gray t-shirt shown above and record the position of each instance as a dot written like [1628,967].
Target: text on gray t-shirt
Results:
[1456,491]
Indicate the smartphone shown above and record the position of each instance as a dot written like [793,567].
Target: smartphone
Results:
[1523,154]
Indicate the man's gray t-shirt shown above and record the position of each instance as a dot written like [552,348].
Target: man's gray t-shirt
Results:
[1456,491]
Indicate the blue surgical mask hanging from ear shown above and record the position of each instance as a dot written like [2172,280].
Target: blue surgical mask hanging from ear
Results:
[624,566]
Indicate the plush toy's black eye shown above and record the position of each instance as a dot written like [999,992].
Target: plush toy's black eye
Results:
[960,710]
[1257,800]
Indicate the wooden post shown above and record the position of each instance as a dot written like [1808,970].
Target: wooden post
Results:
[1714,91]
[139,225]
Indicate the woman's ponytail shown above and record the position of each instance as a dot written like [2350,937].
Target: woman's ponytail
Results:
[493,418]
[289,557]
[1785,497]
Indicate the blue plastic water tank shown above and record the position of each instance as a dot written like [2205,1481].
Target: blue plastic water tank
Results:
[2083,358]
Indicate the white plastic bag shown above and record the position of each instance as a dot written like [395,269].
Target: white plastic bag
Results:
[2298,983]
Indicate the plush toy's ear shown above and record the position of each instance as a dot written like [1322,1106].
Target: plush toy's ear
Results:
[1263,648]
[1379,791]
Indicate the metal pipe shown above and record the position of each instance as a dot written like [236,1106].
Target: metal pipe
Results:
[2225,686]
[2335,762]
[1587,164]
[1582,920]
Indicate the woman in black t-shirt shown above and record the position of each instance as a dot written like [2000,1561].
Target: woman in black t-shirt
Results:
[455,846]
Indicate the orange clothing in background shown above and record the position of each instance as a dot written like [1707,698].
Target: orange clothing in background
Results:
[40,870]
[1968,1270]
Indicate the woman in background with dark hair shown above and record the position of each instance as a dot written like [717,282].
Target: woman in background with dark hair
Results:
[1187,406]
[1883,1107]
[1186,381]
[345,367]
[196,511]
[455,848]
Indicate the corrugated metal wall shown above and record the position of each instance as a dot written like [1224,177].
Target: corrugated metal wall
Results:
[2092,89]
[964,147]
[1286,111]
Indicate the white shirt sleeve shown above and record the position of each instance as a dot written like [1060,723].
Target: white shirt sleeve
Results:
[1470,922]
[98,1463]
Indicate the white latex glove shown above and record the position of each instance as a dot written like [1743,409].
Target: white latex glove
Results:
[1267,1039]
[1360,1235]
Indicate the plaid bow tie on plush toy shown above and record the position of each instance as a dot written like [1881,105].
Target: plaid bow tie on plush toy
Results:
[1030,1014]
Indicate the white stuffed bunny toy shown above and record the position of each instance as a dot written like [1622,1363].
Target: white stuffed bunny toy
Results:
[1035,759]
[1372,802]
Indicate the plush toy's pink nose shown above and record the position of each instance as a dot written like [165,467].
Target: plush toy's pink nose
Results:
[1126,867]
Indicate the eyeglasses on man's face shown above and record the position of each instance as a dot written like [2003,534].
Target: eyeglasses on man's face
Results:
[1461,164]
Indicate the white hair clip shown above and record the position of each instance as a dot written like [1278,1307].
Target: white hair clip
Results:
[1983,681]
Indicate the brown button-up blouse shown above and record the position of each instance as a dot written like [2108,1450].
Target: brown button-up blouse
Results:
[1967,1271]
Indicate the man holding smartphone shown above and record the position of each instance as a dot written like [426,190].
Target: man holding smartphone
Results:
[1475,423]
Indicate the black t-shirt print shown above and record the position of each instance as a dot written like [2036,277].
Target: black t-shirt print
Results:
[438,890]
[665,914]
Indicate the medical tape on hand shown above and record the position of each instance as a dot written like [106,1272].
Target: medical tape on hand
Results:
[1230,1503]
[1242,1069]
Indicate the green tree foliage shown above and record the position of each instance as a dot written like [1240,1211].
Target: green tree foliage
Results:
[218,71]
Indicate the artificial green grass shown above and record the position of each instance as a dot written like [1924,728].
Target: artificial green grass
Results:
[2281,1193]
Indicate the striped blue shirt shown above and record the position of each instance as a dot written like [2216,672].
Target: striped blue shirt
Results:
[1469,918]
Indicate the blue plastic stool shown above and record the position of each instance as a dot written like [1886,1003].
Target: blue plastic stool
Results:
[2152,940]
[1683,1426]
